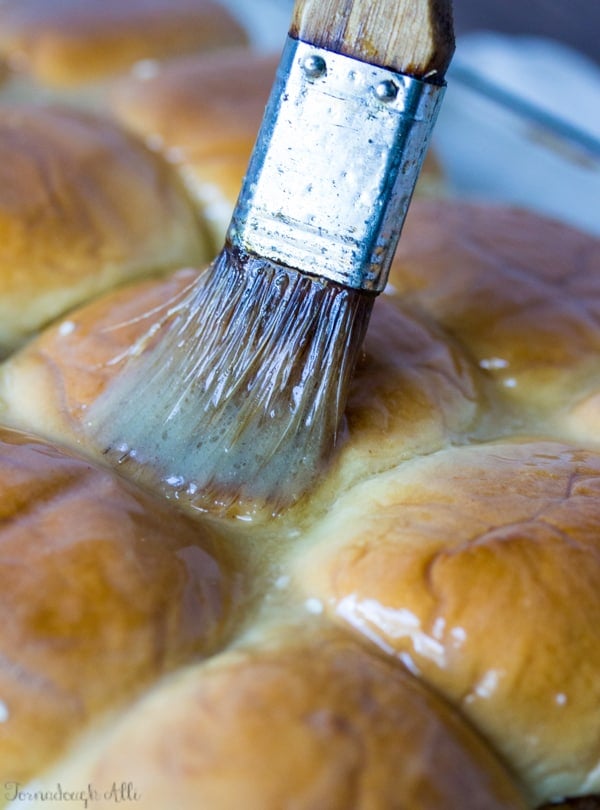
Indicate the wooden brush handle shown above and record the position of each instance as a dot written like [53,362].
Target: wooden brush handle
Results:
[414,37]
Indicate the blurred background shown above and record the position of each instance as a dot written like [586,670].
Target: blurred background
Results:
[521,118]
[573,22]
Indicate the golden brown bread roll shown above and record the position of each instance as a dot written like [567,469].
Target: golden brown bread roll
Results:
[293,723]
[63,43]
[478,568]
[522,294]
[204,111]
[104,589]
[83,207]
[105,333]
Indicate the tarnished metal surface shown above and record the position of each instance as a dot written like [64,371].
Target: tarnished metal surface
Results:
[334,166]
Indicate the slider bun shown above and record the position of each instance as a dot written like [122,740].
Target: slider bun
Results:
[303,724]
[104,589]
[414,391]
[91,345]
[204,111]
[64,43]
[83,207]
[478,568]
[521,294]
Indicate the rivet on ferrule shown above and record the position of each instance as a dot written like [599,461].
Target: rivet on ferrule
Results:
[314,66]
[386,91]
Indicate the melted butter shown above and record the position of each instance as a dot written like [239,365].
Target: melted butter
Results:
[459,636]
[377,620]
[145,69]
[66,328]
[487,685]
[493,363]
[4,712]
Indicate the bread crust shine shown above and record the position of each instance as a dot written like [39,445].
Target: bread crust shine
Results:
[478,567]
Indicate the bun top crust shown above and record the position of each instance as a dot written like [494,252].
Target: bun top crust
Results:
[83,207]
[205,105]
[522,295]
[330,725]
[203,112]
[104,589]
[91,345]
[475,566]
[65,42]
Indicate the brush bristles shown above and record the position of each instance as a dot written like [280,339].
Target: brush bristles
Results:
[238,406]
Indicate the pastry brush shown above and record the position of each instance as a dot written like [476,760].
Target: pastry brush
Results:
[234,399]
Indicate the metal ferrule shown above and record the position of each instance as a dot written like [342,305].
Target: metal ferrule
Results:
[334,166]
